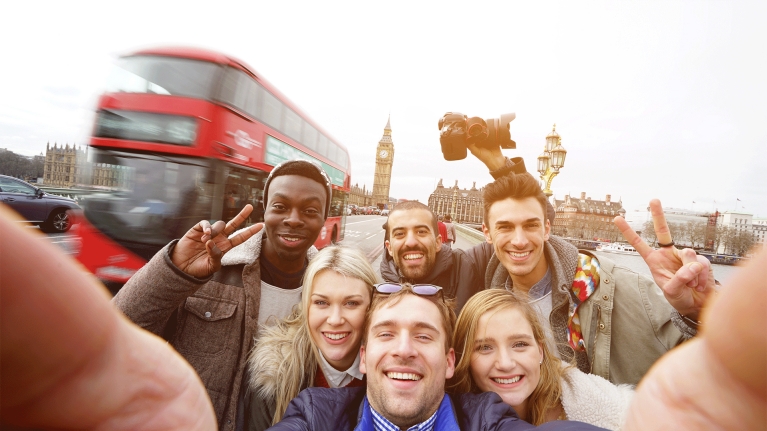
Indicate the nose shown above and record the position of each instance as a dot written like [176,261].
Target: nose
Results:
[411,240]
[404,347]
[293,218]
[518,238]
[336,317]
[504,360]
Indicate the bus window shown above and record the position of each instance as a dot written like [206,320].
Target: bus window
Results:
[163,75]
[322,145]
[309,137]
[240,91]
[291,124]
[272,111]
[337,203]
[243,187]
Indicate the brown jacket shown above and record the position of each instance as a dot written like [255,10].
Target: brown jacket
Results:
[212,323]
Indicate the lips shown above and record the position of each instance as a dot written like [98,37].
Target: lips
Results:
[507,381]
[404,376]
[519,255]
[291,239]
[336,337]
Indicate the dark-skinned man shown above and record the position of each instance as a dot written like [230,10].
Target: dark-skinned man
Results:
[208,292]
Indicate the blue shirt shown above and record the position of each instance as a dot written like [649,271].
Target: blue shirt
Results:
[442,419]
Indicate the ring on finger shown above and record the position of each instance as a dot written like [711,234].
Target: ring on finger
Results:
[668,244]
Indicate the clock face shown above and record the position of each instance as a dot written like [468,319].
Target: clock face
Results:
[383,154]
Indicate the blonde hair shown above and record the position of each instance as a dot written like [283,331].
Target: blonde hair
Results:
[549,389]
[301,356]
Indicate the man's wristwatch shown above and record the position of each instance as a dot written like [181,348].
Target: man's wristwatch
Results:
[515,165]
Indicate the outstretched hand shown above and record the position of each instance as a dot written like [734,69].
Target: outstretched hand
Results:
[491,157]
[686,279]
[200,251]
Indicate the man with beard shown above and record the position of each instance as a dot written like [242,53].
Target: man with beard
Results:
[208,292]
[407,357]
[415,253]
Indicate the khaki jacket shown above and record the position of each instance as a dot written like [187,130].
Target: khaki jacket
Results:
[626,322]
[212,323]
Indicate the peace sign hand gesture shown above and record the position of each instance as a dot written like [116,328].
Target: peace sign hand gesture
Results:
[200,251]
[686,279]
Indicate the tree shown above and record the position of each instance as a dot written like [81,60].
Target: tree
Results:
[648,232]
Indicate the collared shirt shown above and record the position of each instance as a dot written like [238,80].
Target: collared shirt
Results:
[339,379]
[380,423]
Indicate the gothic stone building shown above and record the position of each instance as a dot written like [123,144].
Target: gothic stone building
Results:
[68,167]
[586,218]
[463,205]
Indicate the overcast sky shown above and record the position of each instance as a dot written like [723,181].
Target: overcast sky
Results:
[652,99]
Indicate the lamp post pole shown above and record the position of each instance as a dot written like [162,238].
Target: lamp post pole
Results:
[551,160]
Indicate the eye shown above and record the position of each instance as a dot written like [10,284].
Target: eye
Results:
[483,348]
[320,302]
[278,207]
[311,211]
[397,235]
[423,232]
[520,344]
[423,337]
[385,335]
[352,303]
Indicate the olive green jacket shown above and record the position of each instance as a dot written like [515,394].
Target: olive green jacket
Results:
[626,322]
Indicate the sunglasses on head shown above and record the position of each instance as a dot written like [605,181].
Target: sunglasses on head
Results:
[418,289]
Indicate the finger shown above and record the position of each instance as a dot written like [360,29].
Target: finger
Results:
[243,235]
[204,226]
[215,255]
[689,256]
[631,237]
[217,228]
[662,231]
[238,219]
[676,287]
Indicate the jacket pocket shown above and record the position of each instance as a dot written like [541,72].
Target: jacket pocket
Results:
[208,327]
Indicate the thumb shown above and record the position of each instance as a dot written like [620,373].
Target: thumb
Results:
[676,287]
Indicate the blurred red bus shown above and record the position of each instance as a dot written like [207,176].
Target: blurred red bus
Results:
[185,135]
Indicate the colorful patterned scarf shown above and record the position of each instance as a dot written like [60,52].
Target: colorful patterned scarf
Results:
[585,282]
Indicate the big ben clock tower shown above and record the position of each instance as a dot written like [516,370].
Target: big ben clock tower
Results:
[384,160]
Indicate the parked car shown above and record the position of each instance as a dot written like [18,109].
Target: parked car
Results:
[375,210]
[353,208]
[385,212]
[48,211]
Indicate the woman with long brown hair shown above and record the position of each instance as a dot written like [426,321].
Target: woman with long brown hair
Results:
[501,347]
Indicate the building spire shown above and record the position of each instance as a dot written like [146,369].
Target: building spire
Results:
[386,139]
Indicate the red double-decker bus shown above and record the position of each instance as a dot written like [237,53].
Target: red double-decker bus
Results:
[183,135]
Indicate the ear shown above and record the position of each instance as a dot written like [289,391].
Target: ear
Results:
[486,231]
[387,244]
[363,369]
[450,364]
[540,350]
[438,238]
[548,231]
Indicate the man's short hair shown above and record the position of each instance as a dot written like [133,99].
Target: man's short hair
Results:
[515,186]
[445,306]
[413,205]
[305,169]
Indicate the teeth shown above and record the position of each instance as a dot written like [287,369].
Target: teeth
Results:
[523,254]
[412,256]
[507,381]
[291,238]
[336,336]
[403,376]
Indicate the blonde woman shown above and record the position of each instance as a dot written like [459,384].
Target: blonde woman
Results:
[501,347]
[319,343]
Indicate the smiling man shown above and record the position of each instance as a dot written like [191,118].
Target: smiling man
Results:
[208,292]
[416,254]
[614,322]
[407,357]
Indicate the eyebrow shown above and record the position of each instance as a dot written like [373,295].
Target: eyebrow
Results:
[284,196]
[510,337]
[418,324]
[396,228]
[356,295]
[532,219]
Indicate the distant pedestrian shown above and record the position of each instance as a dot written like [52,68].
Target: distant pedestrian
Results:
[442,230]
[450,230]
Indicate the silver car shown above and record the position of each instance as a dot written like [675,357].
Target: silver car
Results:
[48,211]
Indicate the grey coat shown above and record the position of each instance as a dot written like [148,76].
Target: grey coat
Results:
[211,322]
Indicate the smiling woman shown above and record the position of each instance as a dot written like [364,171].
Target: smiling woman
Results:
[501,347]
[317,345]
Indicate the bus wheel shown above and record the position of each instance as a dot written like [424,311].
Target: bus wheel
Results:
[334,237]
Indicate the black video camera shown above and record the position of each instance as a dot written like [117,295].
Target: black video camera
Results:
[456,131]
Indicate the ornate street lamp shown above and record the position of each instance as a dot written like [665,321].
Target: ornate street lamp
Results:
[551,160]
